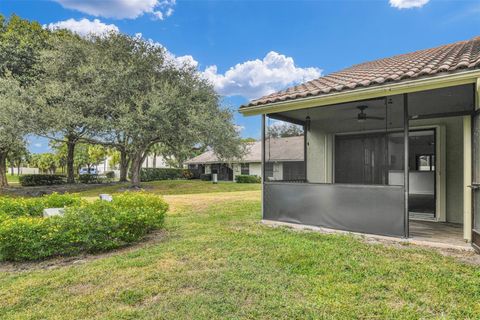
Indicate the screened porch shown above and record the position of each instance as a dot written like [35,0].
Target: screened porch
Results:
[376,166]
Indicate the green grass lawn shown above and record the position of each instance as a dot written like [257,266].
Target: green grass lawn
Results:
[176,187]
[12,179]
[216,261]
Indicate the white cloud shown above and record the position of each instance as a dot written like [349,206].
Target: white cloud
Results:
[84,26]
[121,9]
[239,128]
[407,4]
[255,78]
[180,61]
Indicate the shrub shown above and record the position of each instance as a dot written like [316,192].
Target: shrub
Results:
[41,179]
[206,177]
[56,200]
[17,207]
[247,179]
[25,238]
[157,174]
[110,175]
[89,178]
[187,174]
[89,227]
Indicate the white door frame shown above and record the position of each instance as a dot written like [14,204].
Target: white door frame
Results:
[440,170]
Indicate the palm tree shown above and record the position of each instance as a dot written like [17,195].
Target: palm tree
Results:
[155,151]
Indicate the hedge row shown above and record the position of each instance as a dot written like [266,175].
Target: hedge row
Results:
[89,227]
[247,179]
[41,179]
[96,178]
[33,207]
[156,174]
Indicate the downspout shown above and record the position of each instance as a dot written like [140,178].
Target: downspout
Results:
[263,165]
[406,170]
[306,129]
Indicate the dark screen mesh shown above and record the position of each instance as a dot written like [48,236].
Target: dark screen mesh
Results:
[284,151]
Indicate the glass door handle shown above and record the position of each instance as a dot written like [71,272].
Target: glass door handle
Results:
[474,186]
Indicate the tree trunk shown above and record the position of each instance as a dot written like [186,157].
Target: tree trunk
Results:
[135,169]
[3,170]
[70,157]
[123,166]
[154,160]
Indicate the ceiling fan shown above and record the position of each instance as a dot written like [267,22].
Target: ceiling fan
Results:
[362,116]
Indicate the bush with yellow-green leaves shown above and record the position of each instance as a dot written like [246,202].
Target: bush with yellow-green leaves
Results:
[33,207]
[85,227]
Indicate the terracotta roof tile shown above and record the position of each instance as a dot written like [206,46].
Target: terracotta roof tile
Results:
[423,63]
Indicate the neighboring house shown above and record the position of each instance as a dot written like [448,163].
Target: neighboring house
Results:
[150,162]
[392,147]
[24,170]
[285,160]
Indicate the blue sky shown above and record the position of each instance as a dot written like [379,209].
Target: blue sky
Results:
[250,48]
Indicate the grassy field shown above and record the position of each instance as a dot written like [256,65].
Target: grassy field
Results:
[12,179]
[176,187]
[216,261]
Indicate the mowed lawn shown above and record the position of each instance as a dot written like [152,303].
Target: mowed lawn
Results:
[13,179]
[175,187]
[216,261]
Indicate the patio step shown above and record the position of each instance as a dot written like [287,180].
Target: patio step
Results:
[428,216]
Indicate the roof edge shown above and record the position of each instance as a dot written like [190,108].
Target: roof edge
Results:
[363,93]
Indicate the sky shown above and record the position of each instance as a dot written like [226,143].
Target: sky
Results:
[248,49]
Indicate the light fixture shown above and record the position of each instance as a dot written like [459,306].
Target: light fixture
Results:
[307,123]
[362,115]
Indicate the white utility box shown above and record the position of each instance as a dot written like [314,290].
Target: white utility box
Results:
[106,197]
[52,212]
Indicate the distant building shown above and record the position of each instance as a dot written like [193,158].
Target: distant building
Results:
[284,157]
[150,162]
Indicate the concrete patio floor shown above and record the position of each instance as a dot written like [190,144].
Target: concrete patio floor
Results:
[439,232]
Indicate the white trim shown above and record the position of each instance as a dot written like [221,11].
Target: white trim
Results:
[440,170]
[467,178]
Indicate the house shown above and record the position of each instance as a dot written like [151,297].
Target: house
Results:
[391,147]
[149,162]
[285,161]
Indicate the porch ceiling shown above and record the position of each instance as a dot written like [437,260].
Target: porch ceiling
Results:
[430,101]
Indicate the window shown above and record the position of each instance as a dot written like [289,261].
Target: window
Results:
[285,148]
[425,162]
[245,169]
[293,170]
[269,171]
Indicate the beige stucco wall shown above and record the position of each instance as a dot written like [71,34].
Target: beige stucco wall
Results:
[236,170]
[255,169]
[319,155]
